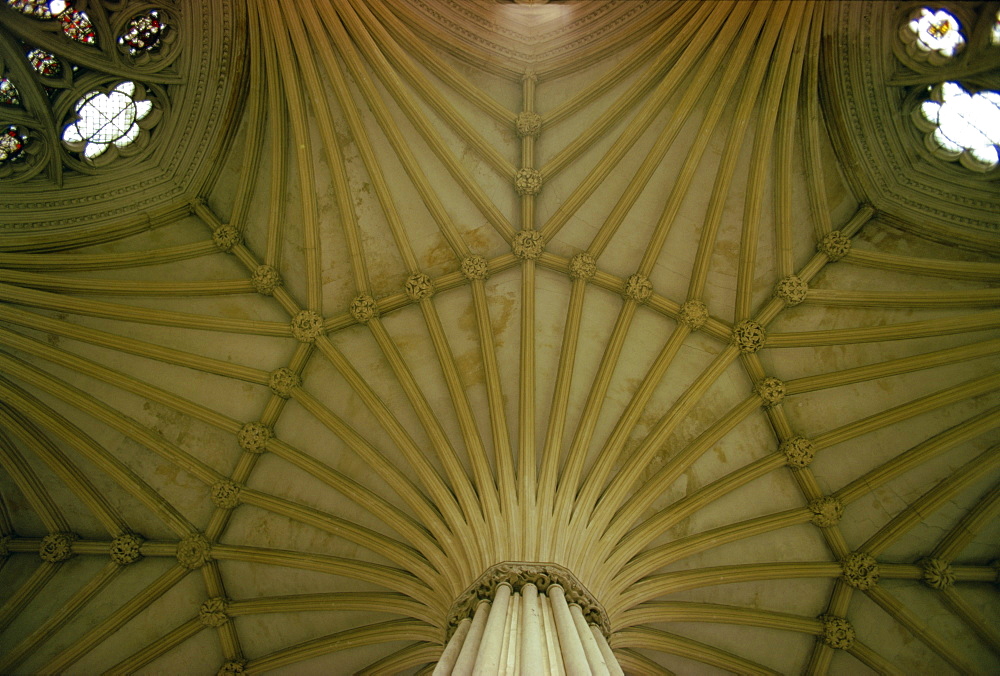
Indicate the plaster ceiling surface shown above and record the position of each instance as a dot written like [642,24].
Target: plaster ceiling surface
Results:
[584,283]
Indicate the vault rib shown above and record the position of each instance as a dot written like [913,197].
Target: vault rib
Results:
[37,442]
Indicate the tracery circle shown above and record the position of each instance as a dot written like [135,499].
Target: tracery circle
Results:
[105,120]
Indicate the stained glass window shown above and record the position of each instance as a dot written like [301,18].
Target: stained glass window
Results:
[8,93]
[44,63]
[143,33]
[963,126]
[40,9]
[107,119]
[995,37]
[11,145]
[935,36]
[77,26]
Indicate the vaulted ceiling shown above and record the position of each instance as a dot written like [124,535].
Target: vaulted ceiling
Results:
[669,294]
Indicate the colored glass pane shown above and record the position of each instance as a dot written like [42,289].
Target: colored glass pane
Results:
[11,145]
[40,9]
[937,32]
[44,63]
[8,93]
[106,119]
[143,33]
[77,26]
[995,37]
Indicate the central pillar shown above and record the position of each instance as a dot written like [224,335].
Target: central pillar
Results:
[527,618]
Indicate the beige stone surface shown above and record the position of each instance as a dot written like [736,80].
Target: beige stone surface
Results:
[544,412]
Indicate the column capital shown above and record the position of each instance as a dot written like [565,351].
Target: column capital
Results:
[519,573]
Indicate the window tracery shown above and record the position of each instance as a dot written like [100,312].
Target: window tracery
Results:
[96,113]
[962,126]
[75,23]
[958,117]
[143,33]
[11,145]
[40,9]
[8,93]
[44,63]
[932,36]
[77,26]
[107,119]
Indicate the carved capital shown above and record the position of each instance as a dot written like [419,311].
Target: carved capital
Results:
[527,244]
[307,326]
[582,266]
[528,181]
[213,612]
[419,286]
[125,549]
[475,267]
[771,390]
[282,381]
[517,574]
[638,288]
[194,551]
[835,245]
[860,570]
[56,547]
[694,314]
[265,279]
[225,494]
[937,573]
[826,512]
[791,289]
[837,632]
[253,437]
[226,237]
[749,336]
[364,308]
[528,124]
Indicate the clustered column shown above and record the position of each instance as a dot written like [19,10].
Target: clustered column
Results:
[522,630]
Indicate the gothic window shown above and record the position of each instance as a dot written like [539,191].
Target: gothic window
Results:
[44,63]
[107,120]
[143,33]
[959,117]
[11,145]
[40,9]
[8,93]
[82,113]
[933,36]
[962,126]
[77,26]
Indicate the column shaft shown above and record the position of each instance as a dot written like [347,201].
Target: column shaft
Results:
[488,662]
[470,649]
[531,628]
[609,657]
[451,651]
[574,658]
[590,648]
